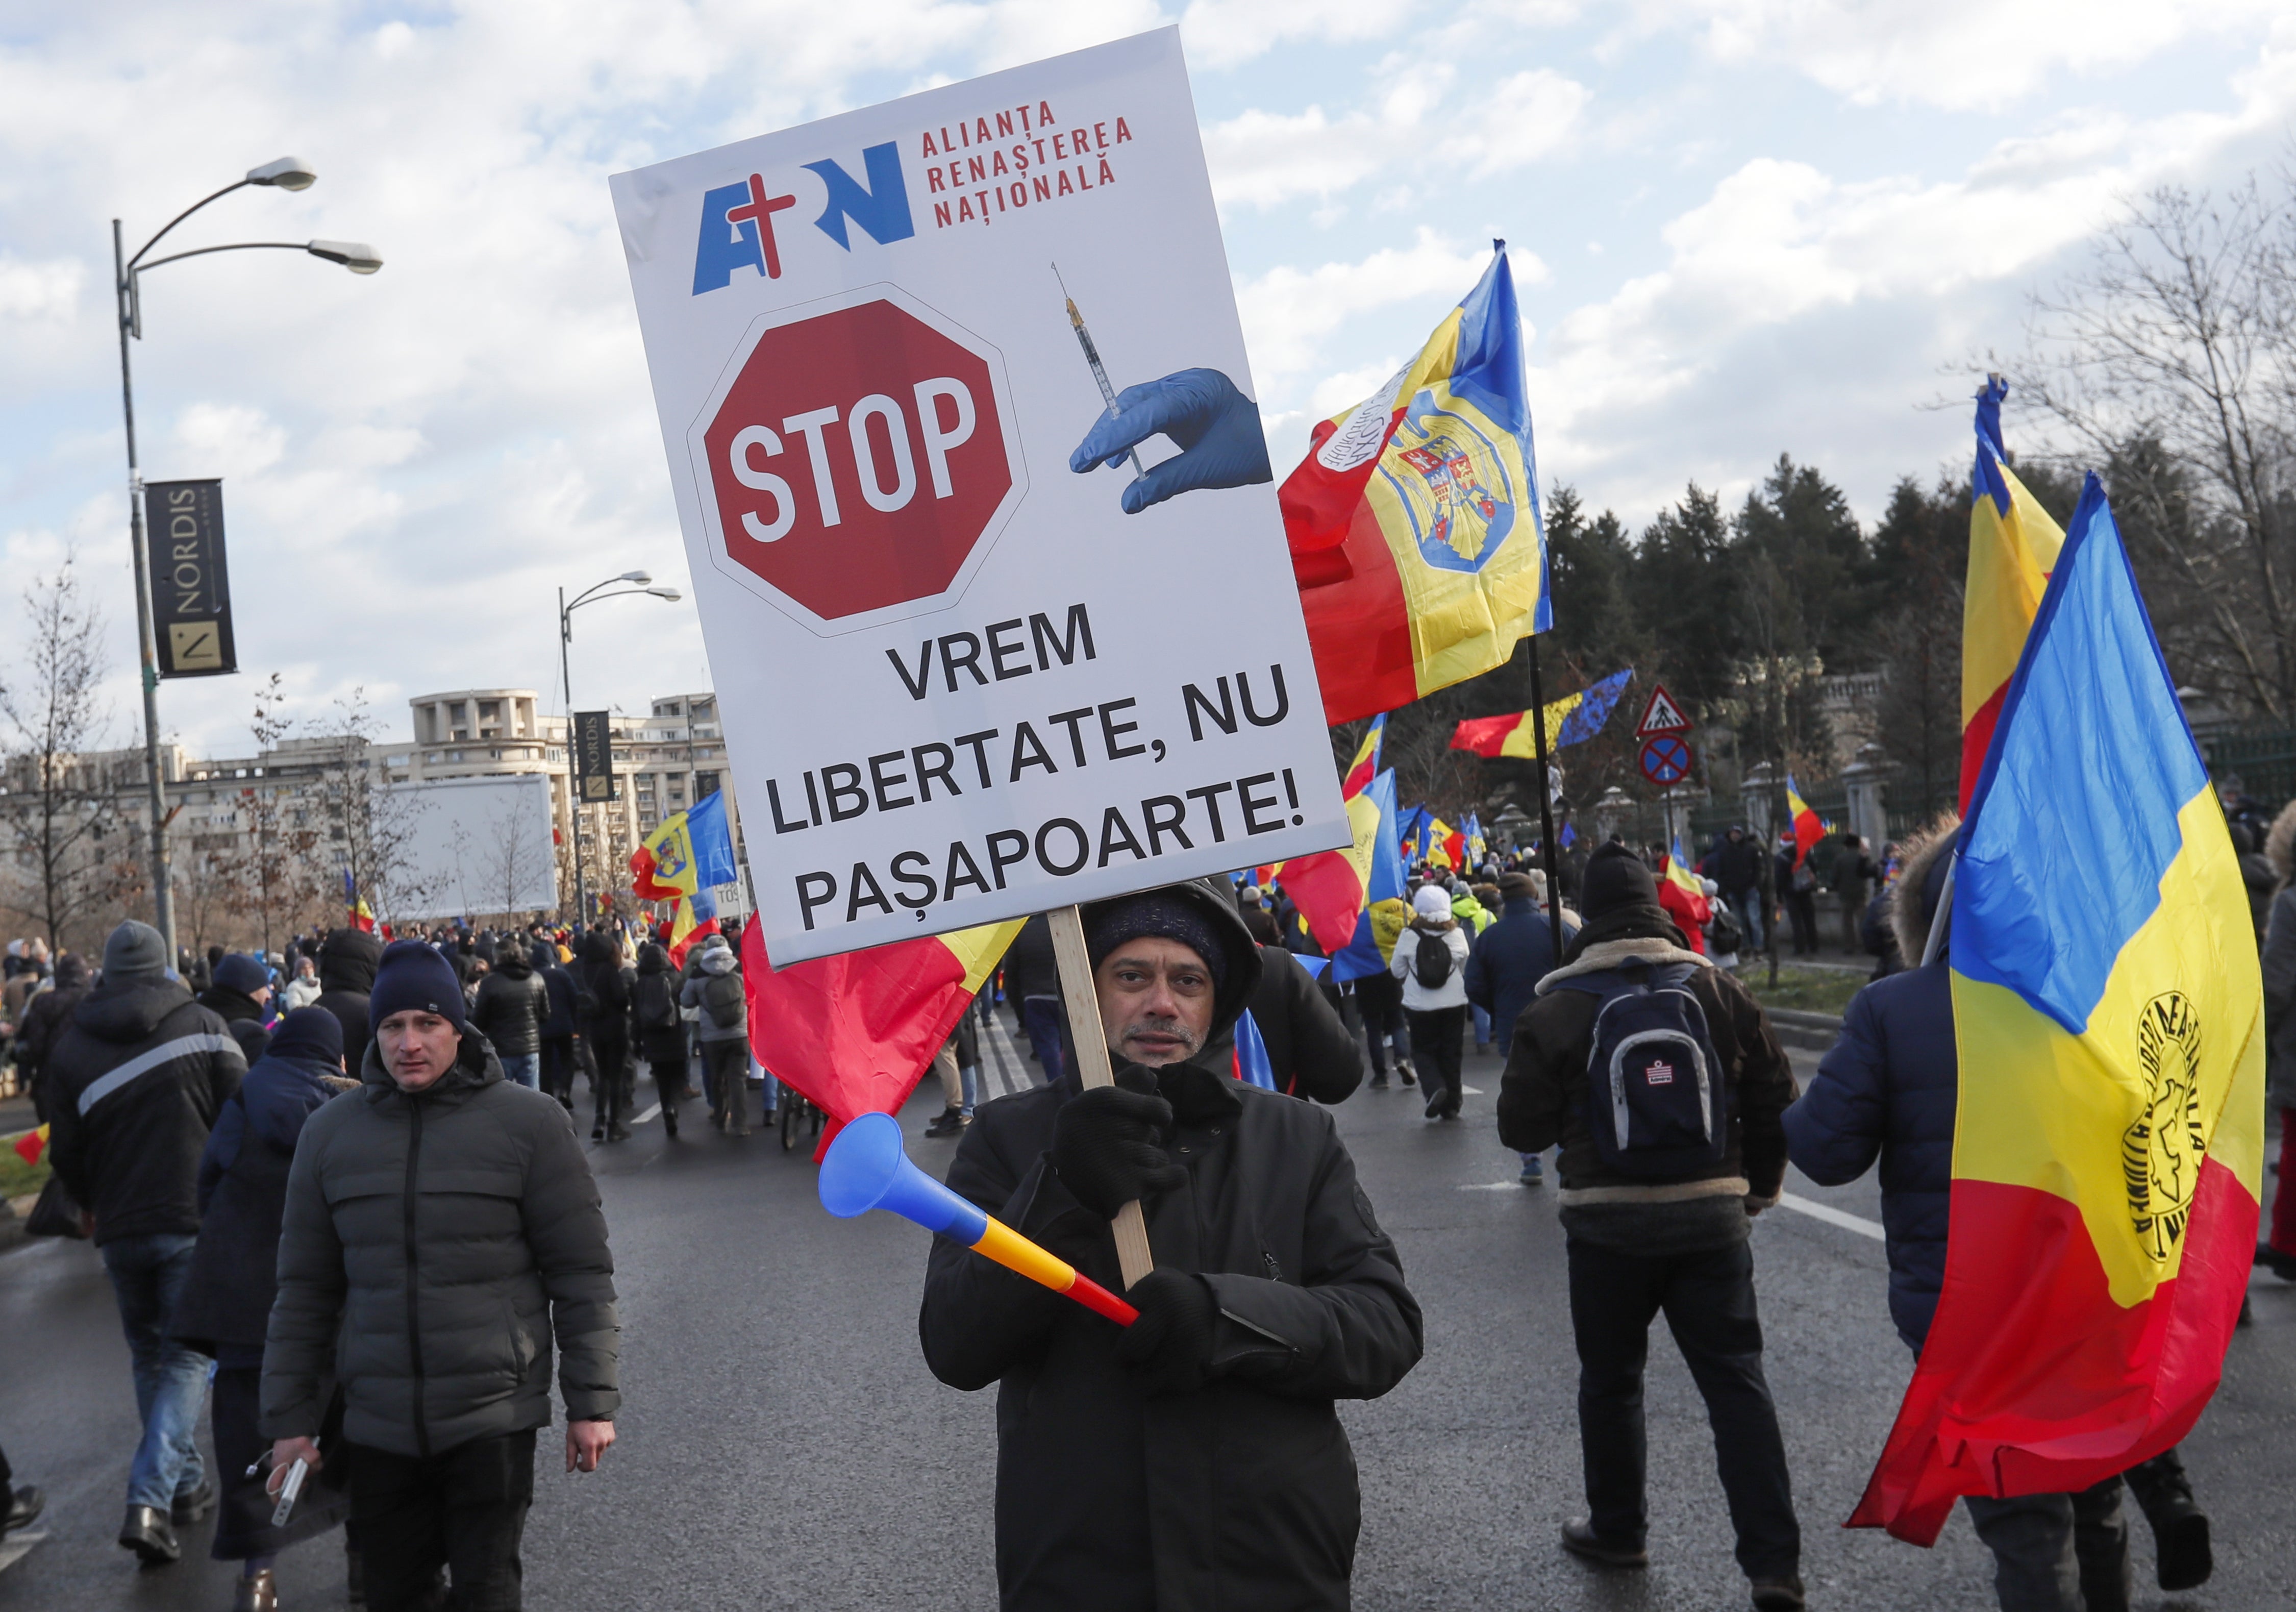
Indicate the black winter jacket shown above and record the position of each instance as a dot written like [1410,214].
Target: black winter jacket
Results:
[1309,1047]
[1543,1094]
[1241,1493]
[134,1086]
[242,1014]
[226,1302]
[347,959]
[513,1007]
[560,986]
[433,1242]
[654,1009]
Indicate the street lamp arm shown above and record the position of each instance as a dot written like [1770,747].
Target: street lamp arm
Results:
[602,597]
[200,252]
[179,217]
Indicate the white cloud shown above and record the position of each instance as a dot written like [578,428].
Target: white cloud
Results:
[1959,54]
[1288,312]
[1425,122]
[45,291]
[1228,33]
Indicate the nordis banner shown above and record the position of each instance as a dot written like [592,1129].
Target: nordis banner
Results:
[978,506]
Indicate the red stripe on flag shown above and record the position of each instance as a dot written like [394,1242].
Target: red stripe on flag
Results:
[854,1033]
[1329,895]
[1976,739]
[1485,736]
[2033,1380]
[1358,625]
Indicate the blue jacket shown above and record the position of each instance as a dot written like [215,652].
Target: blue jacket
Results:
[1508,961]
[1889,1090]
[243,1189]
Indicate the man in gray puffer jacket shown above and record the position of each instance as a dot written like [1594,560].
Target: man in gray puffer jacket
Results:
[442,1223]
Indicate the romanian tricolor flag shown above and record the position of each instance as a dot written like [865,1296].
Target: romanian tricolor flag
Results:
[1809,827]
[1332,888]
[691,853]
[1476,845]
[1569,720]
[2107,1007]
[1383,913]
[1414,523]
[854,1032]
[361,916]
[1361,770]
[2013,547]
[1682,873]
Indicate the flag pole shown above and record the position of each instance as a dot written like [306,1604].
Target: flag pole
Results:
[1131,1255]
[1545,800]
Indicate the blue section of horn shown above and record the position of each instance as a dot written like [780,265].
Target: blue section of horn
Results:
[866,1168]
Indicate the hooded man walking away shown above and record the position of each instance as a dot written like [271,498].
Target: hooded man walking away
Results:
[1661,1080]
[1193,1458]
[441,1227]
[133,1087]
[347,958]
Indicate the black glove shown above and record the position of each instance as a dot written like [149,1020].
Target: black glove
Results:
[1108,1143]
[1171,1345]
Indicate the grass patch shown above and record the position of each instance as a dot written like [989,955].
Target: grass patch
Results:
[1802,990]
[17,1177]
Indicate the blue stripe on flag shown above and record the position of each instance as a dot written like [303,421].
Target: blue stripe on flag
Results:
[2074,818]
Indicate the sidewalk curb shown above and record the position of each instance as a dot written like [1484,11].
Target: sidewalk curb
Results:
[1805,1031]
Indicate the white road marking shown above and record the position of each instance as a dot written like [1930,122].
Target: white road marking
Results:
[1472,1090]
[652,1113]
[1833,1216]
[1490,1186]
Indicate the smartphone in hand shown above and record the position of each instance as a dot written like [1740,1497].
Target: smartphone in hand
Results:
[290,1489]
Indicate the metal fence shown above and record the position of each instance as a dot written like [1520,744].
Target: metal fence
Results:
[2261,756]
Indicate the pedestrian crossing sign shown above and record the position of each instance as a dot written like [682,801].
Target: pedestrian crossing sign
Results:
[1662,715]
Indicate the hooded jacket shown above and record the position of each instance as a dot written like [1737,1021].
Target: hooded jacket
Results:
[717,963]
[602,991]
[243,1189]
[511,1006]
[1543,1097]
[1889,1088]
[655,1010]
[2279,959]
[1240,1493]
[43,1020]
[1452,991]
[433,1243]
[347,959]
[242,1014]
[134,1086]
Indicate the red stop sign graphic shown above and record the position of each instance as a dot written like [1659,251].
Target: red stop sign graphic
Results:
[858,458]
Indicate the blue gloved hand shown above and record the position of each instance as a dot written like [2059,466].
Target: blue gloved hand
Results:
[1215,426]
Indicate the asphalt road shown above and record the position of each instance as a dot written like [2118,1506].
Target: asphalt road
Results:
[782,1445]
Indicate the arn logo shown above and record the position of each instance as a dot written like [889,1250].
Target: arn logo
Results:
[737,220]
[1658,1074]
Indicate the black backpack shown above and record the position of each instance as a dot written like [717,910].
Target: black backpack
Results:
[1430,963]
[1722,932]
[657,1007]
[723,1000]
[1657,1101]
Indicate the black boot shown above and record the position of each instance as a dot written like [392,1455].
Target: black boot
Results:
[147,1532]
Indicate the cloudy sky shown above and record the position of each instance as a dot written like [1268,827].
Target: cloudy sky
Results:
[1741,227]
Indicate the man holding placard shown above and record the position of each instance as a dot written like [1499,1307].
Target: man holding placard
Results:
[1194,1457]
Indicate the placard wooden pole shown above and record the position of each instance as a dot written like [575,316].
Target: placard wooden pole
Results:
[1093,1069]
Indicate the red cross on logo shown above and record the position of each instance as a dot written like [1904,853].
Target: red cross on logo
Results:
[762,208]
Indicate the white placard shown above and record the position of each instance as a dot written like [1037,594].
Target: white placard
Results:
[959,683]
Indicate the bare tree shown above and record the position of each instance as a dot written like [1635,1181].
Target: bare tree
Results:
[2171,359]
[369,826]
[57,808]
[275,878]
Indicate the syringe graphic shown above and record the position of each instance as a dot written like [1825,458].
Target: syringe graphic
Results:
[1092,356]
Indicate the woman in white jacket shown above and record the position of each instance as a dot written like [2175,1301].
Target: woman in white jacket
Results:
[1434,949]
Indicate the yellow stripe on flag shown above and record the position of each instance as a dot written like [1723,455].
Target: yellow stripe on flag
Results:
[2117,1119]
[2010,558]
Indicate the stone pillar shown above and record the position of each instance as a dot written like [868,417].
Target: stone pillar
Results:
[1869,816]
[1678,803]
[1758,797]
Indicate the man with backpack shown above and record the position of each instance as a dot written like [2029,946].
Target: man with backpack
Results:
[1661,1080]
[716,989]
[1431,960]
